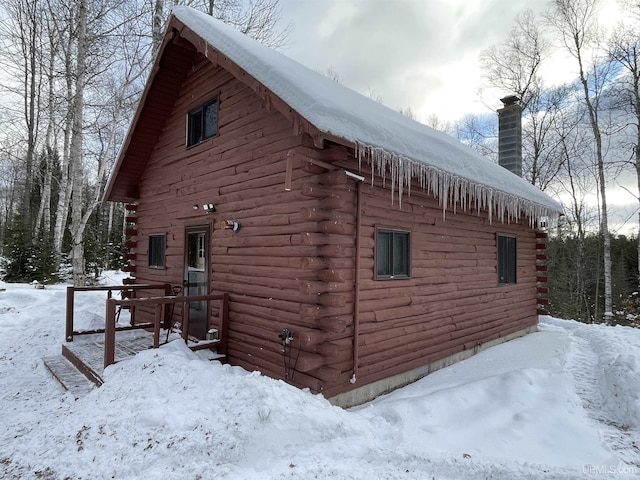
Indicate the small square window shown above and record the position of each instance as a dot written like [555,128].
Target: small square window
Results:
[202,123]
[506,259]
[156,251]
[393,254]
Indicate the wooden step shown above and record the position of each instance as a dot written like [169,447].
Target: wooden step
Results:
[68,375]
[203,344]
[82,357]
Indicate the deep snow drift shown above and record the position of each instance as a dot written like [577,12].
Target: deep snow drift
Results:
[560,403]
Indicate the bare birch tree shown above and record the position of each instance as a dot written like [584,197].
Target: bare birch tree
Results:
[63,21]
[576,182]
[52,41]
[513,68]
[576,23]
[624,49]
[21,58]
[80,75]
[75,149]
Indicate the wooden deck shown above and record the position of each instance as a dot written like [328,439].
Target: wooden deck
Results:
[85,354]
[80,367]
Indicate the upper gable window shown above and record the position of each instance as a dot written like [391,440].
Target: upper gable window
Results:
[202,123]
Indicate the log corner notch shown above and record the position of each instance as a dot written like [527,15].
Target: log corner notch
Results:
[337,213]
[131,242]
[541,273]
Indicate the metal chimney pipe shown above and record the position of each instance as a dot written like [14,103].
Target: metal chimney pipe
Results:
[510,135]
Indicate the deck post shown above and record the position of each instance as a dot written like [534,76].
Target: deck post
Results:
[186,306]
[110,333]
[68,335]
[156,325]
[224,322]
[166,321]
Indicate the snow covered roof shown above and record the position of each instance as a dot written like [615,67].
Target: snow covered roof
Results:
[383,137]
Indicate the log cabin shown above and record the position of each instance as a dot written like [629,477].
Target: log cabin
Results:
[361,250]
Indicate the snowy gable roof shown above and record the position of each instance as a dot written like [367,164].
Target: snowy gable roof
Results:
[383,137]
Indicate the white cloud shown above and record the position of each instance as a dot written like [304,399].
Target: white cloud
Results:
[414,54]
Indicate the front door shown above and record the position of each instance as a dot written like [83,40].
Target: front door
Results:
[196,278]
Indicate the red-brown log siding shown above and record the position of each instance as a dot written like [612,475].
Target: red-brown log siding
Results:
[291,265]
[452,302]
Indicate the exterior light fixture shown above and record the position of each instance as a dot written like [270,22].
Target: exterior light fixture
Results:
[232,225]
[209,207]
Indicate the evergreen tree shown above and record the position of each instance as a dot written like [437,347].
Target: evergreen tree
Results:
[26,261]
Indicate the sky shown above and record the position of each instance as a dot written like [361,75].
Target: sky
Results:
[424,55]
[418,54]
[421,54]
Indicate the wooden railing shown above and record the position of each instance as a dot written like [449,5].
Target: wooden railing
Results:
[69,328]
[160,304]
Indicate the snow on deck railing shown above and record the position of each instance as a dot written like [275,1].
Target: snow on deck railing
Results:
[451,190]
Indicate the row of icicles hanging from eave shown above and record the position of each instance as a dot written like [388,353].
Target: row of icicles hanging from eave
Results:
[451,190]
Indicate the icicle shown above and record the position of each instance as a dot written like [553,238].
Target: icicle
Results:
[446,187]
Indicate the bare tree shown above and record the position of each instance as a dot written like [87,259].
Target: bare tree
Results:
[21,59]
[52,41]
[624,49]
[77,140]
[480,132]
[258,19]
[513,67]
[62,22]
[576,183]
[407,112]
[576,23]
[542,161]
[438,123]
[79,70]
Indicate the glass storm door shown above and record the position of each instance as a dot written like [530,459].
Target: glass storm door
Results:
[196,278]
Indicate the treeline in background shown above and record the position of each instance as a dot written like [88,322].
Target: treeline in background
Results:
[72,73]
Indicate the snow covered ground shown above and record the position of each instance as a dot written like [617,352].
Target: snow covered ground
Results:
[563,403]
